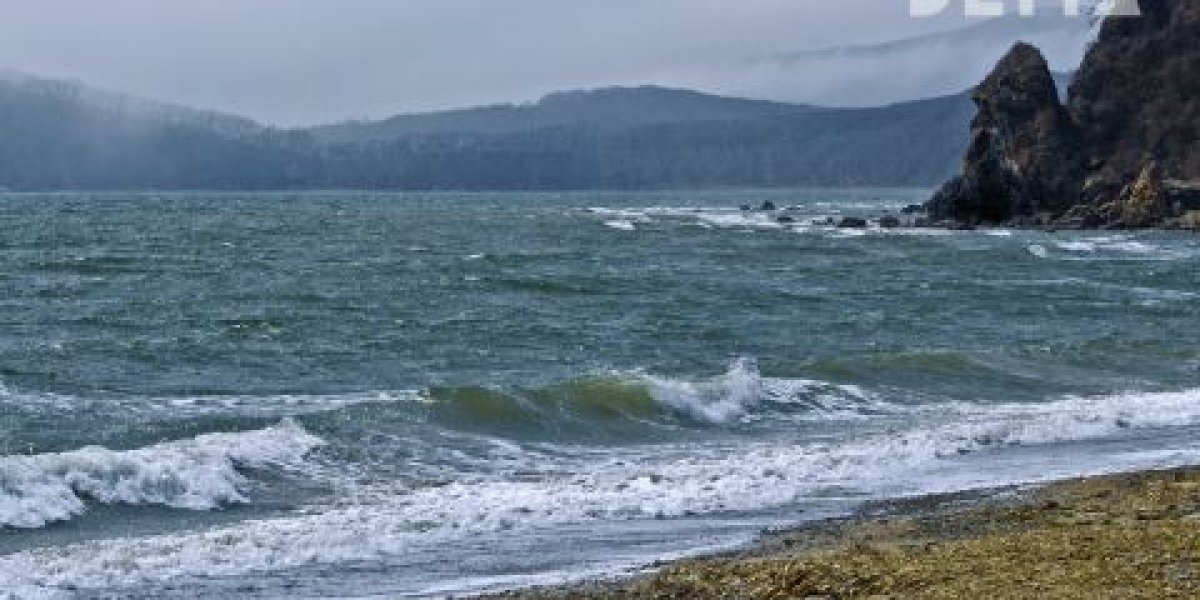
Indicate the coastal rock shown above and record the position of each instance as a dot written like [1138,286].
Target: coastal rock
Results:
[889,222]
[1136,97]
[1143,203]
[1122,153]
[1024,154]
[1190,220]
[852,223]
[1183,196]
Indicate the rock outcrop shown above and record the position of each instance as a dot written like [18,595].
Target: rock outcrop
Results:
[1123,153]
[1024,157]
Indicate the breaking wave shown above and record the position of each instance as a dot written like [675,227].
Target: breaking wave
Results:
[1122,247]
[741,395]
[197,474]
[659,482]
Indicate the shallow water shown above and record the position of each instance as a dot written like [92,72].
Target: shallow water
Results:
[417,395]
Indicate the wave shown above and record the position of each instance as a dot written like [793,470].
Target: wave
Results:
[1123,247]
[196,474]
[609,405]
[741,395]
[189,407]
[621,225]
[653,483]
[734,395]
[818,218]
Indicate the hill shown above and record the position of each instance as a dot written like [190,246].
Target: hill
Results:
[63,135]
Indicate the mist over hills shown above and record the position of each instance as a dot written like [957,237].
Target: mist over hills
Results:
[933,64]
[65,136]
[606,109]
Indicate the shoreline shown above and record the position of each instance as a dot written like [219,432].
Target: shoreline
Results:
[1128,535]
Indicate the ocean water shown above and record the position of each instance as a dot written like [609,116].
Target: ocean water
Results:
[360,395]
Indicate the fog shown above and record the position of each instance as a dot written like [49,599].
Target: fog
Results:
[292,62]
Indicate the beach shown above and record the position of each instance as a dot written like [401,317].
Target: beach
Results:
[1115,536]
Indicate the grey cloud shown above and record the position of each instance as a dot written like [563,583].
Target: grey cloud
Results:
[307,61]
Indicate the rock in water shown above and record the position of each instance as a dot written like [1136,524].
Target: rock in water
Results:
[1024,154]
[889,222]
[1123,152]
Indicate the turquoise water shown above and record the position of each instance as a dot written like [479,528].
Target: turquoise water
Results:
[357,395]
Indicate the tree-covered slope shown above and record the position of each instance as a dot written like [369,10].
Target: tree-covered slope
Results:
[59,135]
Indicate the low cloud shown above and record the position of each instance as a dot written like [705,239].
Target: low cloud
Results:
[310,61]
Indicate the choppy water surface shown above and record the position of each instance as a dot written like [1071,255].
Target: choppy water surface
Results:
[357,395]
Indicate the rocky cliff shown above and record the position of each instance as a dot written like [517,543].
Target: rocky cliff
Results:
[1123,152]
[1024,157]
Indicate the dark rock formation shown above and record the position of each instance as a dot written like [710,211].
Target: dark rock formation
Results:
[1137,97]
[1125,150]
[889,222]
[1184,195]
[1024,155]
[852,223]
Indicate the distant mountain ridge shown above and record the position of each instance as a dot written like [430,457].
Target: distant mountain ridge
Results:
[63,135]
[605,109]
[131,106]
[66,136]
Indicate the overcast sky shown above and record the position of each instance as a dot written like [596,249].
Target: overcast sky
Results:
[295,62]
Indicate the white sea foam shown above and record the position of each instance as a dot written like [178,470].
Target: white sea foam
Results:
[648,483]
[721,218]
[199,473]
[182,407]
[1077,246]
[621,225]
[1119,247]
[734,395]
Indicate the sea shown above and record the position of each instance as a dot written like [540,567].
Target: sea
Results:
[370,395]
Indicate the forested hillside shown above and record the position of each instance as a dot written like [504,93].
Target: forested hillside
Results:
[58,135]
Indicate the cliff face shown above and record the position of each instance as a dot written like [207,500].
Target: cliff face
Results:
[1123,152]
[1137,96]
[1024,156]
